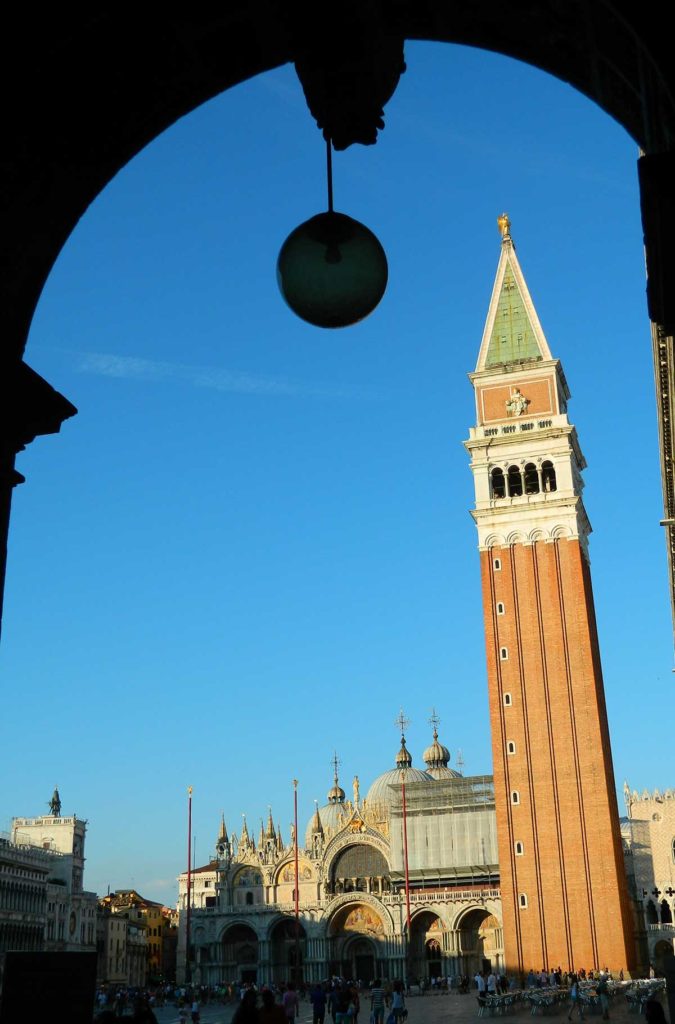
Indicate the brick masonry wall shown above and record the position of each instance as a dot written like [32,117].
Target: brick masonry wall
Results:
[571,871]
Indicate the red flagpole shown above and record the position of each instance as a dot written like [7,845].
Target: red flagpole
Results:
[188,974]
[297,884]
[405,862]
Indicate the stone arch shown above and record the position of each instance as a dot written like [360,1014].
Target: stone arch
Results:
[479,937]
[493,540]
[662,949]
[561,532]
[287,951]
[305,871]
[352,900]
[240,945]
[237,922]
[172,66]
[427,929]
[515,537]
[357,931]
[344,839]
[536,535]
[358,866]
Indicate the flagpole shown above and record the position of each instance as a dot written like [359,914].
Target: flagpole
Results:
[188,973]
[407,873]
[297,885]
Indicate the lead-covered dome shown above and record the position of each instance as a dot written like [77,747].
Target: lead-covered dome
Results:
[381,792]
[333,814]
[436,758]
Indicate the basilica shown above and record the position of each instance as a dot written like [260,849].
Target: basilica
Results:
[354,918]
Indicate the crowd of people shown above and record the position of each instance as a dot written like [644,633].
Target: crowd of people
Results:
[342,1001]
[338,999]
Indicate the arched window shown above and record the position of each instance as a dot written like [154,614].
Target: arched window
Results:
[498,484]
[531,479]
[249,899]
[652,916]
[498,565]
[510,747]
[515,482]
[507,700]
[666,915]
[500,607]
[522,901]
[503,653]
[515,797]
[548,476]
[519,848]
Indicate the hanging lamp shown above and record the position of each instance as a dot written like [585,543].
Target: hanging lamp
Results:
[332,270]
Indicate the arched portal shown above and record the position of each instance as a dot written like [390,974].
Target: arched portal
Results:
[359,868]
[478,941]
[239,946]
[662,949]
[288,946]
[426,944]
[356,943]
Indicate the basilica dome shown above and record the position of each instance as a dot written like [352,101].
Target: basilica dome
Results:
[381,793]
[332,815]
[436,758]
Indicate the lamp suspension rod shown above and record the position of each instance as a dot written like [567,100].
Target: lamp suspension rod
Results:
[329,173]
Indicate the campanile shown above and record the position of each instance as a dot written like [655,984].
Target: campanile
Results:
[564,892]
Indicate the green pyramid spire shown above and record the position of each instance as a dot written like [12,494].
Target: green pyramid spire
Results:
[513,338]
[512,332]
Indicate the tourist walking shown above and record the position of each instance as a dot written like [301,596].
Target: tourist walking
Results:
[290,1002]
[377,1002]
[398,1002]
[575,998]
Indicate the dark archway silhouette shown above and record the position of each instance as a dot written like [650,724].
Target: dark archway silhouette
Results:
[90,90]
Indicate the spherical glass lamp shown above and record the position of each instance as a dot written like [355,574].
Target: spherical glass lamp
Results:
[332,270]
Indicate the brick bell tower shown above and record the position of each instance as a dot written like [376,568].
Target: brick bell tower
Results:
[564,892]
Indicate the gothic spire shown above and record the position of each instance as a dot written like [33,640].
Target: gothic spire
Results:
[270,833]
[317,827]
[244,838]
[222,838]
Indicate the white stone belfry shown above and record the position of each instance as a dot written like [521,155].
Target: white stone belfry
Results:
[525,456]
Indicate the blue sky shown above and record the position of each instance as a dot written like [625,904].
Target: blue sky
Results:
[252,545]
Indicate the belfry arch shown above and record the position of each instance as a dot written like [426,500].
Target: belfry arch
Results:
[90,91]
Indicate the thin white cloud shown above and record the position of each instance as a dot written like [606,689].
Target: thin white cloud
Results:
[104,364]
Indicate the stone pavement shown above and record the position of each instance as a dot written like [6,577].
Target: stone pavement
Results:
[427,1009]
